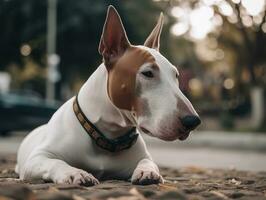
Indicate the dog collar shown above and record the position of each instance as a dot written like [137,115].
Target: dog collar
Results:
[113,145]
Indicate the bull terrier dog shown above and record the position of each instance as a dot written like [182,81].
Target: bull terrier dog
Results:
[96,134]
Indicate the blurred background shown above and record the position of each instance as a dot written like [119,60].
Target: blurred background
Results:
[48,49]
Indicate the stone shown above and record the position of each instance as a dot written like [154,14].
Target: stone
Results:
[171,195]
[16,191]
[186,183]
[54,196]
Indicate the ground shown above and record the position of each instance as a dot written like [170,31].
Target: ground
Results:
[183,183]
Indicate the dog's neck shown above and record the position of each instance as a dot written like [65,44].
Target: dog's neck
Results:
[98,108]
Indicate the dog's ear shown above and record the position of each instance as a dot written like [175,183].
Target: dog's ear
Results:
[114,40]
[153,41]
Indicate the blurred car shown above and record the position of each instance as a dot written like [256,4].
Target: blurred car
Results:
[24,110]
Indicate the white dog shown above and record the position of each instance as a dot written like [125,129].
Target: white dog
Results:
[93,136]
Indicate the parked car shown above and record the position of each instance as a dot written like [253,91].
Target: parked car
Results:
[24,110]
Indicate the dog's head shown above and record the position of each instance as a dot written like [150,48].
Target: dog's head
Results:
[143,81]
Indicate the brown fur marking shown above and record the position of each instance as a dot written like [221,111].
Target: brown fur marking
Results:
[122,77]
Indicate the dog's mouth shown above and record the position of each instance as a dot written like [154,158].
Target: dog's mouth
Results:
[146,131]
[181,134]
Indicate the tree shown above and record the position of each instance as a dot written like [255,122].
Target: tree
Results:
[23,28]
[238,27]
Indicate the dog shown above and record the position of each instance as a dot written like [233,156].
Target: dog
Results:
[96,134]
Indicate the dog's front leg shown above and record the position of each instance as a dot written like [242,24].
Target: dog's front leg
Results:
[146,173]
[55,170]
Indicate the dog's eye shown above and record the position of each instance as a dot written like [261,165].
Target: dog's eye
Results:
[148,74]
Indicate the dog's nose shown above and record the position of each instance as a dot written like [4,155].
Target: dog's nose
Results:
[190,122]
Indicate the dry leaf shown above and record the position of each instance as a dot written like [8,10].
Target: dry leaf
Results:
[167,186]
[195,169]
[52,189]
[219,194]
[234,181]
[76,197]
[136,193]
[124,198]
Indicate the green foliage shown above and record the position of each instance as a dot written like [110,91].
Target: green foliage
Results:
[79,27]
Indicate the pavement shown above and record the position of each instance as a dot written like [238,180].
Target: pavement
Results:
[212,149]
[208,149]
[184,184]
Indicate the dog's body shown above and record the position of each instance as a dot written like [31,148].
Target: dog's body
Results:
[64,138]
[63,152]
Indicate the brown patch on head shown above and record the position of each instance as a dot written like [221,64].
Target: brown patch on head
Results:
[122,77]
[122,60]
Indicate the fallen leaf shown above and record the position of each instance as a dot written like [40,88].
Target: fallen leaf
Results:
[76,197]
[124,198]
[219,194]
[167,186]
[136,193]
[53,189]
[234,181]
[195,169]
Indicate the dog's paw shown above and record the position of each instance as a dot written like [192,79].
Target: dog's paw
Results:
[146,177]
[78,177]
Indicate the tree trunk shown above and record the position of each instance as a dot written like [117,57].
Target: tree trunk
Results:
[257,106]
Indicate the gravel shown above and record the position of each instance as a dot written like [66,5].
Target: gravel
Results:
[184,183]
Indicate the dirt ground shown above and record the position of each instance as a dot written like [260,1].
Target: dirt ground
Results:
[185,183]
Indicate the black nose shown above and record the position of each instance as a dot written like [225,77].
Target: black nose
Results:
[190,122]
